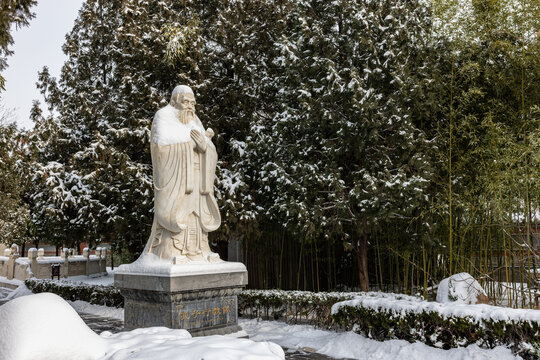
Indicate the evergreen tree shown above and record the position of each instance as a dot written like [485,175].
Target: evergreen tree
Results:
[15,13]
[123,60]
[341,155]
[14,213]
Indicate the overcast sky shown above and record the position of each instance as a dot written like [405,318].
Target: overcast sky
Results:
[36,46]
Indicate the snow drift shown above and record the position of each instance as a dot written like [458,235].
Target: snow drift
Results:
[44,326]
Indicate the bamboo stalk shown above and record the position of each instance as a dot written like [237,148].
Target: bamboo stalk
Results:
[300,265]
[450,239]
[317,265]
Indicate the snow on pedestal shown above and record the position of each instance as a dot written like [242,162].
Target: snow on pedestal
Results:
[151,264]
[461,288]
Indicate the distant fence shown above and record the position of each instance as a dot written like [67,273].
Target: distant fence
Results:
[12,266]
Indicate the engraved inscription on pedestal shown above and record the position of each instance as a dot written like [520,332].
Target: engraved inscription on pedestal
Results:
[208,313]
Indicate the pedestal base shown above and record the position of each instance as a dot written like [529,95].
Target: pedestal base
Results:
[202,300]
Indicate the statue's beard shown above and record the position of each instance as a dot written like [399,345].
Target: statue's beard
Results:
[185,116]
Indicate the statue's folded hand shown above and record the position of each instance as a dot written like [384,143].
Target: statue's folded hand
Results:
[199,140]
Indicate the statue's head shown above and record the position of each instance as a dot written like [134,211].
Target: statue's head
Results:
[183,99]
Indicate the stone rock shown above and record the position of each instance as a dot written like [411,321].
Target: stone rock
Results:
[461,288]
[482,299]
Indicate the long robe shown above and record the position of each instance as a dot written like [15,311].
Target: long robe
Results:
[185,209]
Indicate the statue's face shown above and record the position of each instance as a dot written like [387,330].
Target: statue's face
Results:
[185,102]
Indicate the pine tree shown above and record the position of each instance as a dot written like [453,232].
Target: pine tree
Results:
[92,186]
[14,212]
[15,13]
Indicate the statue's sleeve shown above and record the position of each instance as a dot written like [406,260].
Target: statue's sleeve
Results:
[171,165]
[208,166]
[210,216]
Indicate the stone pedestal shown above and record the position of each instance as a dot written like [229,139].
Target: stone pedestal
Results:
[201,298]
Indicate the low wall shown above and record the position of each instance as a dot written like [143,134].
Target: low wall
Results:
[38,266]
[4,264]
[21,270]
[43,268]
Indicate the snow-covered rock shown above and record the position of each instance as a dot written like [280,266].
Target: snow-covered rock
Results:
[461,288]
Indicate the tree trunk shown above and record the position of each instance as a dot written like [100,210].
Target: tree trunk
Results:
[361,255]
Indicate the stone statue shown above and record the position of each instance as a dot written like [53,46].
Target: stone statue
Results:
[184,163]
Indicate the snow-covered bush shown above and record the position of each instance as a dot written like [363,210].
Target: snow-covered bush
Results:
[54,328]
[442,325]
[300,306]
[94,294]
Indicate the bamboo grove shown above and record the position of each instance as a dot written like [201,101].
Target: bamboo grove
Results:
[363,145]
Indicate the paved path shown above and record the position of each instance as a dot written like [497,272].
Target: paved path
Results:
[100,324]
[4,293]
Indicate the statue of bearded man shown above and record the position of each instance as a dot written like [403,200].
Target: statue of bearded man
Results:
[184,163]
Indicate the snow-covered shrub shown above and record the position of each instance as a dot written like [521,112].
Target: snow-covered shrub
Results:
[94,294]
[442,325]
[300,306]
[290,306]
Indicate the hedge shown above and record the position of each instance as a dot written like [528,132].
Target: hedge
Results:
[299,306]
[290,306]
[94,294]
[431,324]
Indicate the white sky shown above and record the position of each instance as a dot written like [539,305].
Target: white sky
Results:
[36,46]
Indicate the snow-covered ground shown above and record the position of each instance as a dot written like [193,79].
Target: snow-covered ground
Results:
[353,346]
[338,345]
[6,294]
[43,326]
[98,310]
[163,343]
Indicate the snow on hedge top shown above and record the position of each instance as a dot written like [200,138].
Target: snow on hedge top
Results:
[295,295]
[460,288]
[477,313]
[44,326]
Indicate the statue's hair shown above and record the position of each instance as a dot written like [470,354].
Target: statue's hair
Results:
[181,89]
